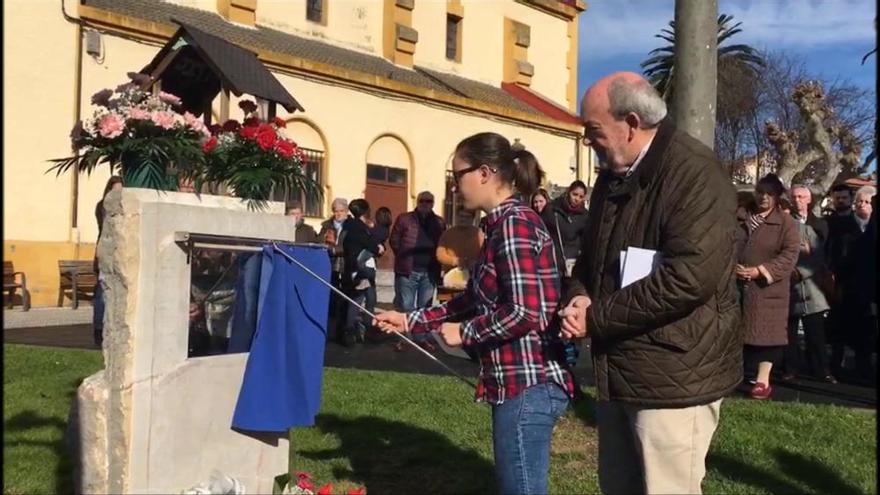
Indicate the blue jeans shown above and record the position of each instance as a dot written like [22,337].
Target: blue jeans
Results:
[411,292]
[522,428]
[98,314]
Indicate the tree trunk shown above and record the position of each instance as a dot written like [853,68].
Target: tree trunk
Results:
[696,68]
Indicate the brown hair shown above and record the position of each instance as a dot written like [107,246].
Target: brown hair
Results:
[514,164]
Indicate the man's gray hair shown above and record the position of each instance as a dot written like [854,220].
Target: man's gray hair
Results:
[802,186]
[639,98]
[339,204]
[869,191]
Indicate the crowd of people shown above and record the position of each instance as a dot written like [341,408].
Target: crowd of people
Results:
[732,287]
[799,273]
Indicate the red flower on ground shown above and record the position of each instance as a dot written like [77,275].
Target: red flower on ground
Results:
[252,121]
[279,122]
[358,491]
[285,148]
[209,144]
[325,490]
[248,132]
[266,138]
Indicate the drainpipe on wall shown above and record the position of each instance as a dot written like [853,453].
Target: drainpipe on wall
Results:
[77,115]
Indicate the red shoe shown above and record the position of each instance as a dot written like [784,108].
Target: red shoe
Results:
[761,391]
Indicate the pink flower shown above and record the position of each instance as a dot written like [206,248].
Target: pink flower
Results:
[169,98]
[305,484]
[194,122]
[111,125]
[164,120]
[139,114]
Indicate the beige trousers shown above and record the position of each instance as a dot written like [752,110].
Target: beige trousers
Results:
[654,451]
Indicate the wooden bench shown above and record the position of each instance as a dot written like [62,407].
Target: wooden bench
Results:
[10,286]
[76,276]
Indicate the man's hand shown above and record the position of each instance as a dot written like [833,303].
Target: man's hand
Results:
[390,322]
[451,334]
[574,318]
[747,272]
[381,250]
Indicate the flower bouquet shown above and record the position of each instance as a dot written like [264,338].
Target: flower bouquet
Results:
[140,133]
[253,157]
[302,484]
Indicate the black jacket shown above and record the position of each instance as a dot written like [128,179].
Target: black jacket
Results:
[565,227]
[355,238]
[671,339]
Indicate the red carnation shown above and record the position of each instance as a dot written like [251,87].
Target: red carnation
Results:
[326,489]
[252,121]
[247,106]
[248,132]
[231,125]
[285,148]
[279,122]
[209,144]
[359,491]
[266,138]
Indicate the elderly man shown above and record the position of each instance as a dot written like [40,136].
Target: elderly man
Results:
[666,347]
[331,233]
[855,312]
[802,198]
[414,239]
[302,232]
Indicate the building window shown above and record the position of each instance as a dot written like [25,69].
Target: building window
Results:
[313,164]
[453,37]
[315,10]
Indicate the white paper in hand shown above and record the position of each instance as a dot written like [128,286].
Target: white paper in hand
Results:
[452,351]
[638,265]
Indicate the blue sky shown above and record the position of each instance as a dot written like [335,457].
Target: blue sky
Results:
[831,35]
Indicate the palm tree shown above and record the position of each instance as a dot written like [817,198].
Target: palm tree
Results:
[660,67]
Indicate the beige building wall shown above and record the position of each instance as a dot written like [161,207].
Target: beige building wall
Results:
[353,24]
[41,88]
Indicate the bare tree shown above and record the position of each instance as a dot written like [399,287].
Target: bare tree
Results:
[821,131]
[696,56]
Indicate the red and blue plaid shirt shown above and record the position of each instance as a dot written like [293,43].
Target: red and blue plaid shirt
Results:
[507,308]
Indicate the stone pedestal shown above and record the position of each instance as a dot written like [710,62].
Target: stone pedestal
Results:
[154,421]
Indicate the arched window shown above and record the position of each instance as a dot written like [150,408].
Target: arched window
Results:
[312,143]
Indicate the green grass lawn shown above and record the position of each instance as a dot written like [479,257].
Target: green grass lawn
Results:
[401,433]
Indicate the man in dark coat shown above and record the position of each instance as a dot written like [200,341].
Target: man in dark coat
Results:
[667,347]
[302,232]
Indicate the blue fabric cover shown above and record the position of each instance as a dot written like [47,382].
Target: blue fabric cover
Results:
[282,380]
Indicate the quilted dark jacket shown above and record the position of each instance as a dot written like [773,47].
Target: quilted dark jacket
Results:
[671,339]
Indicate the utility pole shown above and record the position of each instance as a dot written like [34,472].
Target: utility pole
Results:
[696,68]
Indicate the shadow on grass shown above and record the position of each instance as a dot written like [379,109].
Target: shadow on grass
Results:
[584,407]
[17,430]
[777,479]
[396,457]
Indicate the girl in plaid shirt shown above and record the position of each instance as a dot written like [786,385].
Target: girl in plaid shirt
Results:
[504,316]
